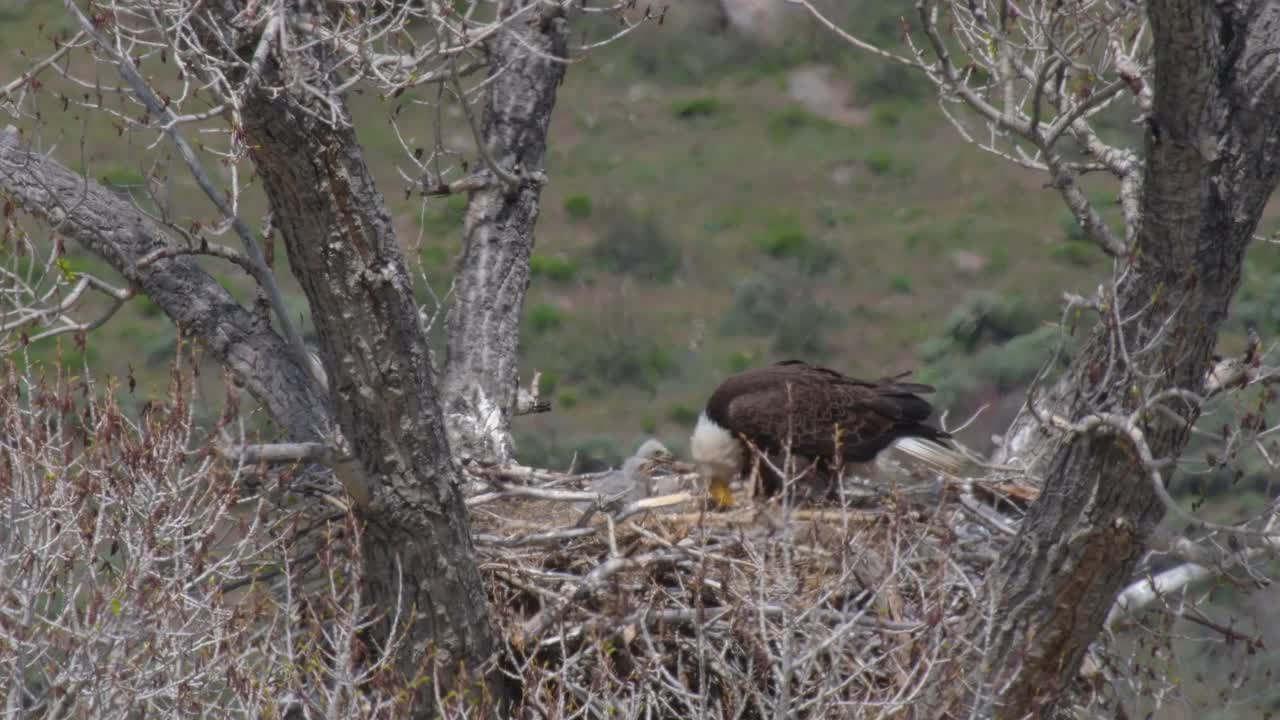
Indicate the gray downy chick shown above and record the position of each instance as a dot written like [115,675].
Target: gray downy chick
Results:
[630,482]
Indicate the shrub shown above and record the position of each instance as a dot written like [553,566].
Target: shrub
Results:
[831,216]
[879,161]
[740,361]
[636,244]
[778,304]
[802,329]
[1080,254]
[900,283]
[757,307]
[578,207]
[986,316]
[998,261]
[951,381]
[610,356]
[786,239]
[907,215]
[886,116]
[783,125]
[139,546]
[1071,230]
[681,414]
[889,81]
[544,318]
[556,268]
[696,108]
[1014,363]
[935,349]
[434,256]
[121,177]
[724,219]
[12,12]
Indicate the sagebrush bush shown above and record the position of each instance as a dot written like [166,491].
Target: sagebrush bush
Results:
[759,302]
[578,207]
[778,304]
[1080,254]
[987,317]
[783,125]
[636,243]
[544,318]
[787,240]
[696,107]
[556,268]
[803,328]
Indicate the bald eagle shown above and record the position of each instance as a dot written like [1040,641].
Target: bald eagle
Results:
[814,408]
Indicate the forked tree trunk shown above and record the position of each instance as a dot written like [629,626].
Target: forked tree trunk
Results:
[1212,155]
[481,374]
[420,571]
[418,556]
[419,562]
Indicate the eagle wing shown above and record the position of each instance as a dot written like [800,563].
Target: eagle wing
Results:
[818,408]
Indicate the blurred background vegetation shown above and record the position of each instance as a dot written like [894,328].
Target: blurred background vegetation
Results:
[724,193]
[719,198]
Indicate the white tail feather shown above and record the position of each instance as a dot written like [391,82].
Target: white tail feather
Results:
[941,458]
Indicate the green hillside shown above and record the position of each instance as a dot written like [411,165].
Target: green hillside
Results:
[700,220]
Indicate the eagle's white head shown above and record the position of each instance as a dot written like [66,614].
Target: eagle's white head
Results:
[719,455]
[714,444]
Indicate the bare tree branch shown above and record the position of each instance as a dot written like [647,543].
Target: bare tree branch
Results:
[258,265]
[109,227]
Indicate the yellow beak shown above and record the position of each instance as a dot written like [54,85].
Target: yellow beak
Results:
[718,486]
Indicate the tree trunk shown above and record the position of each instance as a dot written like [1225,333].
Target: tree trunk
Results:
[420,573]
[113,229]
[481,374]
[1211,164]
[419,563]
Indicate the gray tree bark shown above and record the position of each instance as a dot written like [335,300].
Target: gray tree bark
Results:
[111,228]
[1211,163]
[481,372]
[419,562]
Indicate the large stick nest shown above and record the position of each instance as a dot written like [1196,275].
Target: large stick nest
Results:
[626,604]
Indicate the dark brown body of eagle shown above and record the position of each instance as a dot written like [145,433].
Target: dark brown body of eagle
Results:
[814,408]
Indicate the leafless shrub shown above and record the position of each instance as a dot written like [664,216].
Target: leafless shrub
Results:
[138,577]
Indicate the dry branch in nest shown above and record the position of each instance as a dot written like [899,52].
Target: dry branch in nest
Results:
[657,606]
